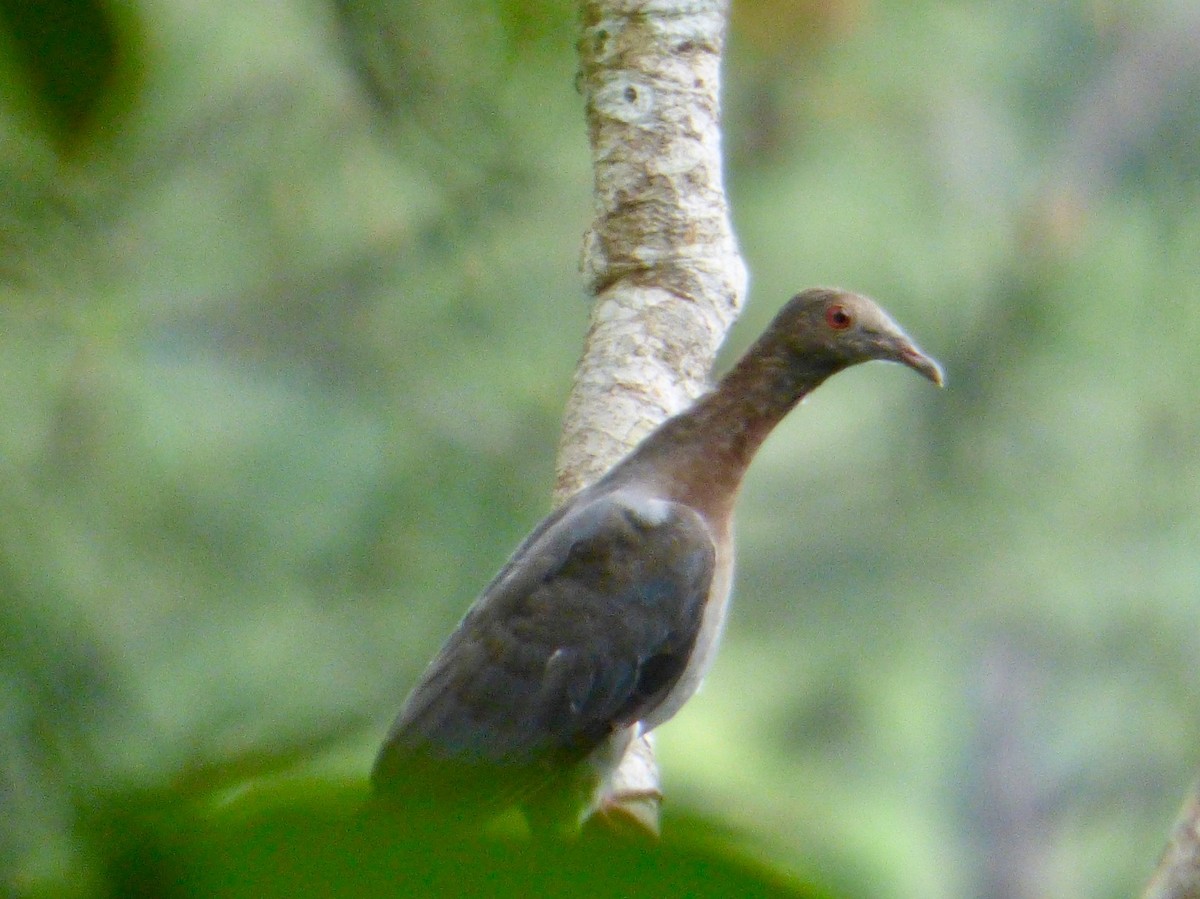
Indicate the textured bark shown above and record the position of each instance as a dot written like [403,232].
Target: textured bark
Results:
[660,257]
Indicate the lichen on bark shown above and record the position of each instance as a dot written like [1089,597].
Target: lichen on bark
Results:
[660,257]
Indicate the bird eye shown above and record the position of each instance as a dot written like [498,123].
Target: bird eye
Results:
[838,317]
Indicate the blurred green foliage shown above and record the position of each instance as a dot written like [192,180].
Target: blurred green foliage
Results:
[288,311]
[309,838]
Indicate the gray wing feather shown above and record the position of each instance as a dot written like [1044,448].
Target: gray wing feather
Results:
[582,633]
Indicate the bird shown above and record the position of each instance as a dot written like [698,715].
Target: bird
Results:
[605,619]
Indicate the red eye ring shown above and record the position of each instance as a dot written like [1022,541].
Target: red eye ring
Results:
[838,317]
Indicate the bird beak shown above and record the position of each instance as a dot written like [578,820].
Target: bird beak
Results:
[916,360]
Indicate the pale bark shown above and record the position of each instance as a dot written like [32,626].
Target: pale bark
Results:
[660,257]
[1178,872]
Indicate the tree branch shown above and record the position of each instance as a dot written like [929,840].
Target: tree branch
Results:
[1178,873]
[660,257]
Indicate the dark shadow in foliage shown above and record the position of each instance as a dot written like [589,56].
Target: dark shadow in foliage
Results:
[75,60]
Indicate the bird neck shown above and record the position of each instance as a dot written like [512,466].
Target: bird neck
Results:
[707,448]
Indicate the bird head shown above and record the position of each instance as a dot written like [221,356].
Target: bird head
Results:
[844,329]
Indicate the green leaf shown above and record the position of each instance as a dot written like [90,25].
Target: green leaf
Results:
[309,838]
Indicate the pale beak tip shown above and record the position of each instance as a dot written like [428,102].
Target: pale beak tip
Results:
[923,365]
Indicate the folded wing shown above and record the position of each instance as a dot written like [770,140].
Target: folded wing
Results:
[582,634]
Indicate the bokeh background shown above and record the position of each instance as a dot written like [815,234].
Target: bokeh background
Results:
[289,309]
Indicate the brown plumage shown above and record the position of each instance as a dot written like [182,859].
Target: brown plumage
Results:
[605,619]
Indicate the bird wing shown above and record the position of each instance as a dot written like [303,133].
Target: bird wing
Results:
[583,632]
